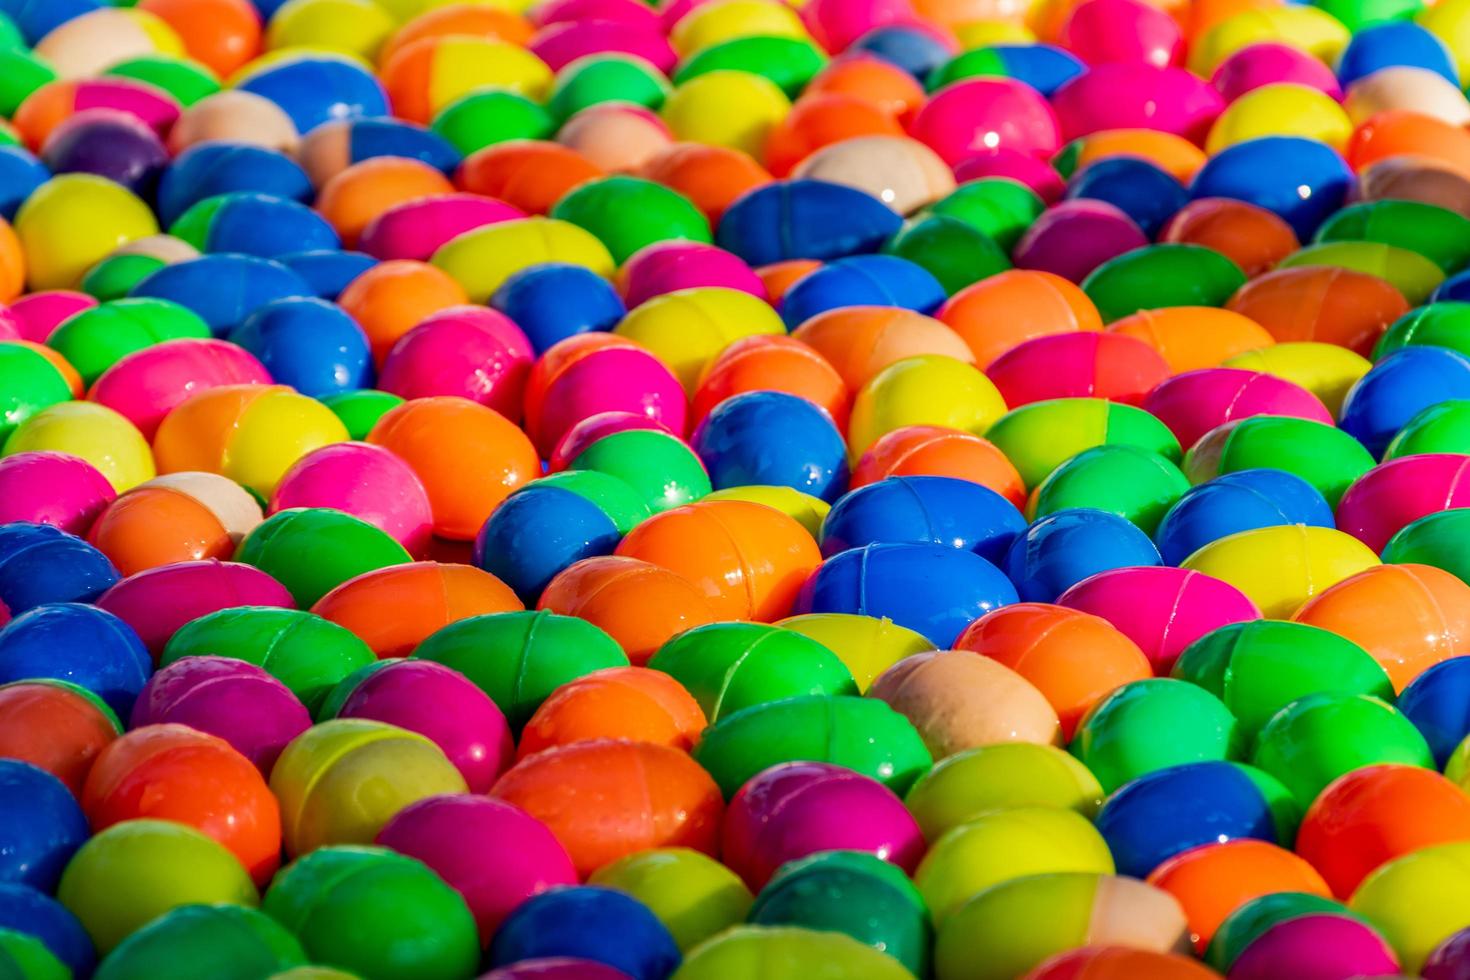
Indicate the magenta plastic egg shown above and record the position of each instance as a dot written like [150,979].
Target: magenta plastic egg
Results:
[799,808]
[1103,31]
[1320,946]
[40,313]
[1023,168]
[1133,95]
[52,488]
[1195,402]
[1075,237]
[560,44]
[494,854]
[470,351]
[614,378]
[445,707]
[1162,609]
[147,384]
[593,428]
[9,326]
[1269,63]
[556,968]
[229,698]
[982,114]
[1079,364]
[366,481]
[416,229]
[156,602]
[568,11]
[835,24]
[666,266]
[148,103]
[1399,492]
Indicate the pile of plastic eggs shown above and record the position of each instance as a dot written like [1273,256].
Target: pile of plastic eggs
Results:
[724,489]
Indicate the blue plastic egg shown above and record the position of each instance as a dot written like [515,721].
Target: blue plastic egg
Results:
[310,344]
[1166,812]
[914,49]
[556,300]
[41,564]
[588,922]
[327,272]
[1438,704]
[1239,501]
[20,174]
[536,532]
[771,438]
[1061,549]
[1399,387]
[223,289]
[383,136]
[26,910]
[930,588]
[805,219]
[313,89]
[924,510]
[84,645]
[207,169]
[252,223]
[1300,180]
[1393,44]
[1136,187]
[863,280]
[41,825]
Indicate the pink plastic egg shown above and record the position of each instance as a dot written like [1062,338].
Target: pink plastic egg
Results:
[232,699]
[52,488]
[416,229]
[799,808]
[470,351]
[1075,237]
[982,114]
[1104,31]
[1399,492]
[445,707]
[615,376]
[561,44]
[1080,364]
[494,854]
[1162,609]
[363,480]
[835,24]
[570,11]
[147,384]
[1317,946]
[40,313]
[1195,402]
[1023,168]
[1269,63]
[1137,96]
[156,602]
[666,266]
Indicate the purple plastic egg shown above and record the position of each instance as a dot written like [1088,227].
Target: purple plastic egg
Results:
[1450,959]
[666,266]
[1075,237]
[156,602]
[233,699]
[556,968]
[493,853]
[798,808]
[108,143]
[366,481]
[52,488]
[446,708]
